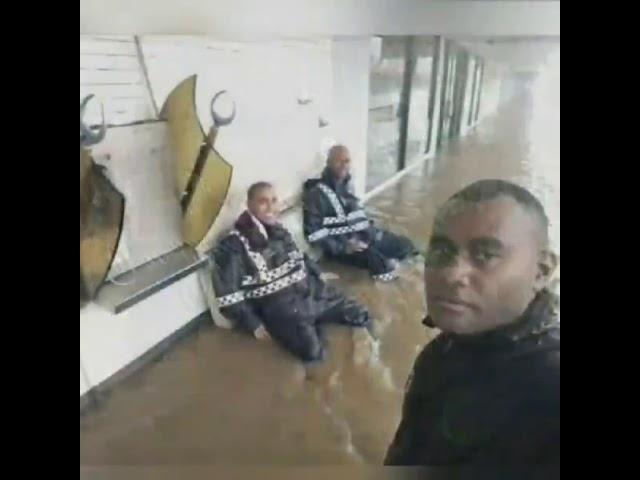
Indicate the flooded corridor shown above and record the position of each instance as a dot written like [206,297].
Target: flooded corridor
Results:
[219,397]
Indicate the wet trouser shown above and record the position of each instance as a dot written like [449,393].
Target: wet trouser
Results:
[305,340]
[376,258]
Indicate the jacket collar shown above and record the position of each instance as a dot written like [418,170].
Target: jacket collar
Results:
[249,226]
[335,185]
[540,317]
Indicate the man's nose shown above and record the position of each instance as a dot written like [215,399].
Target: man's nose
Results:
[458,272]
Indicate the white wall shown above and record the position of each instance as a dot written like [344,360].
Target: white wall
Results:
[111,70]
[273,137]
[83,383]
[545,143]
[350,58]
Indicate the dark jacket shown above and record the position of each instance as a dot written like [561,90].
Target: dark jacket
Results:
[236,278]
[326,227]
[492,399]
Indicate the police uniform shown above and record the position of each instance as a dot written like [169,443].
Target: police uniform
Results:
[261,278]
[333,216]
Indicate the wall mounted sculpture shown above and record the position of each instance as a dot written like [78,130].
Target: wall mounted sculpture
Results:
[101,214]
[202,175]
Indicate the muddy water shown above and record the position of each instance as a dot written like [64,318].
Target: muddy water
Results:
[222,398]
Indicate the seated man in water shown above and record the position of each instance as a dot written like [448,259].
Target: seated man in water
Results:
[335,221]
[268,288]
[487,389]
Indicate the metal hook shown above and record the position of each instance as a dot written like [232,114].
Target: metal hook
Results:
[219,121]
[87,137]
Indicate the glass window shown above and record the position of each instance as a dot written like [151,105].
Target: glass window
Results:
[419,111]
[385,91]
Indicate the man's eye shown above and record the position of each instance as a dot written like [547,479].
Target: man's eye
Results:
[439,255]
[484,256]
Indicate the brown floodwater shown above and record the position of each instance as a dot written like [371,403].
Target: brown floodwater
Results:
[219,397]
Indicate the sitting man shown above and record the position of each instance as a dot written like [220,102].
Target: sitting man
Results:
[487,390]
[335,221]
[268,288]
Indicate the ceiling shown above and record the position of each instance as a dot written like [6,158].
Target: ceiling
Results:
[251,18]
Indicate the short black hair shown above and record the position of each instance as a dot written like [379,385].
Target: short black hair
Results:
[256,187]
[490,189]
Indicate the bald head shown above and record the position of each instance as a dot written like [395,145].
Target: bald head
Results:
[336,150]
[339,161]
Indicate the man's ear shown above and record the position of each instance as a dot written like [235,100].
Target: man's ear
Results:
[547,264]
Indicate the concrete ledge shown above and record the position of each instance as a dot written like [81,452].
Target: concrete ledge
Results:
[134,286]
[96,395]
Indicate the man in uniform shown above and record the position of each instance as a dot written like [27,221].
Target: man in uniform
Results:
[335,221]
[268,288]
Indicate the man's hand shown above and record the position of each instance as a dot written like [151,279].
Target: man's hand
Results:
[354,246]
[261,333]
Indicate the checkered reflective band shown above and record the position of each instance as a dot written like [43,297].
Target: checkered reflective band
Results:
[333,199]
[270,281]
[386,277]
[326,232]
[340,218]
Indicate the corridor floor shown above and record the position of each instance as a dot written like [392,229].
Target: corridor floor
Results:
[219,397]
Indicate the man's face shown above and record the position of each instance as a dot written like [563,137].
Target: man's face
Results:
[340,163]
[484,266]
[264,205]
